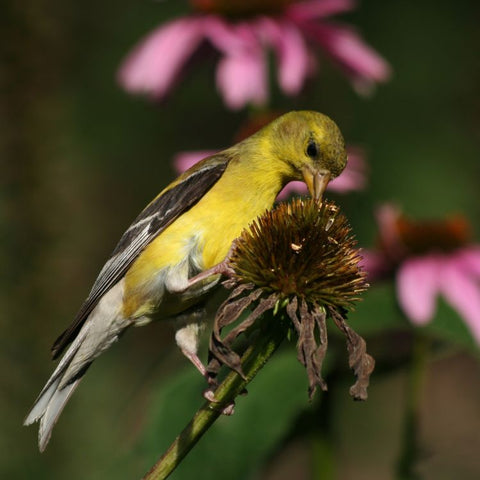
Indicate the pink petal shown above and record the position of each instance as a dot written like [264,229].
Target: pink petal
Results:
[227,37]
[348,49]
[354,177]
[153,65]
[374,263]
[242,78]
[292,188]
[184,160]
[469,257]
[319,8]
[417,286]
[241,73]
[292,53]
[462,291]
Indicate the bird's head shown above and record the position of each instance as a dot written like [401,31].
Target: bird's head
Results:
[312,146]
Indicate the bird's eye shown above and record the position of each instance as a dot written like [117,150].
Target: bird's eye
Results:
[312,149]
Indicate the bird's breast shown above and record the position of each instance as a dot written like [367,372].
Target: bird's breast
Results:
[199,238]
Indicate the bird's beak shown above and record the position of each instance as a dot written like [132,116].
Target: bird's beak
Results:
[316,180]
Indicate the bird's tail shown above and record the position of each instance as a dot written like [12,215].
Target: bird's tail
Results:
[57,391]
[96,335]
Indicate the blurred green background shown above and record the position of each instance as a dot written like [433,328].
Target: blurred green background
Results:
[80,158]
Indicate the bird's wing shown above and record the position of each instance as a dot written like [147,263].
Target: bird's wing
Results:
[180,196]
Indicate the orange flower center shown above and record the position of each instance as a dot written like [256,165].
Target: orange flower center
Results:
[441,235]
[240,8]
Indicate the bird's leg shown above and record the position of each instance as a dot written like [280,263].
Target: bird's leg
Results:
[196,362]
[187,341]
[186,338]
[222,268]
[189,327]
[208,394]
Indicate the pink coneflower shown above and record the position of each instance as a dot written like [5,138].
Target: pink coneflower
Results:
[243,33]
[428,258]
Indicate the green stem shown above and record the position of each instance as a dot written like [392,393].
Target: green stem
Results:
[410,443]
[323,447]
[254,358]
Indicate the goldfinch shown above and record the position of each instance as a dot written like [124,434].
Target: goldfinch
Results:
[173,254]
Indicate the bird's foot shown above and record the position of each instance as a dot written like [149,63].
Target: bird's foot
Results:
[210,396]
[222,268]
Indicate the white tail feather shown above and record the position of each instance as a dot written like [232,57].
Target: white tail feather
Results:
[54,408]
[41,403]
[100,330]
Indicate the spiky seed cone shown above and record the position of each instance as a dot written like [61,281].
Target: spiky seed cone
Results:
[303,249]
[300,256]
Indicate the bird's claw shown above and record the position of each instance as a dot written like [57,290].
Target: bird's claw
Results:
[229,409]
[210,396]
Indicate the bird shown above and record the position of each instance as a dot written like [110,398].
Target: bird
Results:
[173,255]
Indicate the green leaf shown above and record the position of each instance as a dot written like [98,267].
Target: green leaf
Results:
[449,325]
[379,311]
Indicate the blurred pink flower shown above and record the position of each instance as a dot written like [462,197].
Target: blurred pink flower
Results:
[184,160]
[154,65]
[428,259]
[353,177]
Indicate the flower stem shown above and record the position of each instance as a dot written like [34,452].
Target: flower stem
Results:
[410,443]
[323,445]
[254,358]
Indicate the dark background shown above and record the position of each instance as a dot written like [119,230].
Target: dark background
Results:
[80,158]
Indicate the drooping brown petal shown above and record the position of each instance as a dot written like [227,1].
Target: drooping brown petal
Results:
[292,313]
[220,354]
[220,351]
[264,305]
[309,354]
[319,355]
[231,309]
[358,358]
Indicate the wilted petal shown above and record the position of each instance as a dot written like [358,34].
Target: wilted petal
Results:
[184,160]
[462,291]
[348,49]
[417,287]
[318,8]
[153,65]
[292,53]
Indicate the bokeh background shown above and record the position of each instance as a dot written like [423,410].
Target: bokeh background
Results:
[80,158]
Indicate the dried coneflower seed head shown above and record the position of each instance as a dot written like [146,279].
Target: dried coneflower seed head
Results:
[301,257]
[303,249]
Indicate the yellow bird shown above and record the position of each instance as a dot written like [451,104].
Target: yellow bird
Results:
[175,251]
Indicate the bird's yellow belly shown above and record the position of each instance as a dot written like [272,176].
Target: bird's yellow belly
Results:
[203,235]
